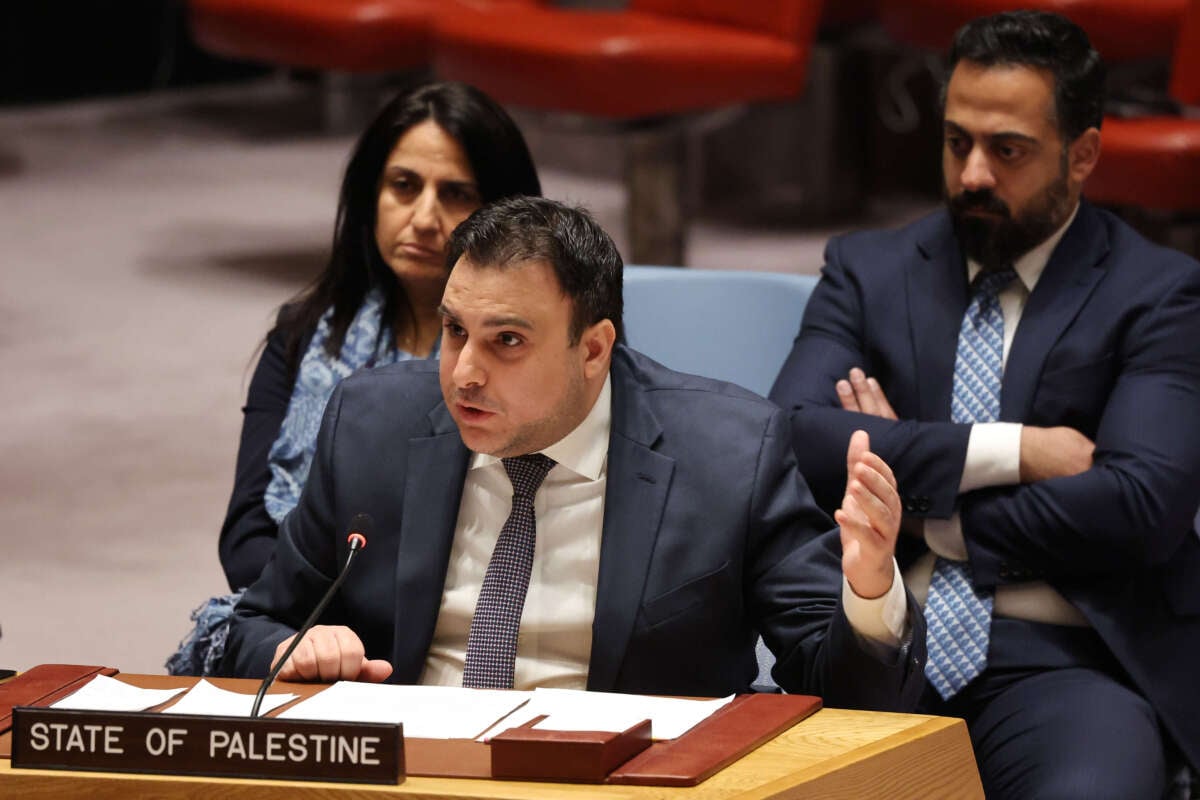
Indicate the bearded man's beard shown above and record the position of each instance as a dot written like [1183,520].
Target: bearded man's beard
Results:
[997,241]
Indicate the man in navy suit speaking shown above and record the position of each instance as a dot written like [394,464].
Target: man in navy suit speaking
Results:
[552,508]
[1028,365]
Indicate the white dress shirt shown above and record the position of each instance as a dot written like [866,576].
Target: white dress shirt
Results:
[554,645]
[994,459]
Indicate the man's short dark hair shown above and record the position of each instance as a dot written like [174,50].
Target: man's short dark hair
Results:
[516,230]
[1041,40]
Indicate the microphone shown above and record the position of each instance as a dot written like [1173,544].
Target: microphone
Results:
[357,541]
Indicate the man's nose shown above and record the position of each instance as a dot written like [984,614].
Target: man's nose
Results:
[977,172]
[468,371]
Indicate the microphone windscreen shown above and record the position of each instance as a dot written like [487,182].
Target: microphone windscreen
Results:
[361,528]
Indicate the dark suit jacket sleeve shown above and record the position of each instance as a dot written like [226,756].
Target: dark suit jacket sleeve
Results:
[1135,505]
[248,533]
[305,563]
[797,596]
[926,456]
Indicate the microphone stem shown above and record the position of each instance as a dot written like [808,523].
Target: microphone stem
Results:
[308,623]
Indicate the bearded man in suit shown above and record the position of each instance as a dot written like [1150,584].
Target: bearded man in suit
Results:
[1028,365]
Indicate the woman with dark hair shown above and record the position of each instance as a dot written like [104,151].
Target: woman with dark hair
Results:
[430,157]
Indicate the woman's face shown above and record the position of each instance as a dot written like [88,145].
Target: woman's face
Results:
[426,189]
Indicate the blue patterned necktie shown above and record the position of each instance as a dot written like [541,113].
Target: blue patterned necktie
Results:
[492,641]
[958,617]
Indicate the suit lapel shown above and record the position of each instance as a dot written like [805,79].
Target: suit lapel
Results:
[638,481]
[436,470]
[937,299]
[1065,284]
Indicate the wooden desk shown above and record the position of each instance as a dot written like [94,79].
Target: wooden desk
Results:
[833,754]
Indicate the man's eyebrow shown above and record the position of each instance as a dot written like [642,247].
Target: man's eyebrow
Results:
[509,321]
[1013,136]
[1001,136]
[506,321]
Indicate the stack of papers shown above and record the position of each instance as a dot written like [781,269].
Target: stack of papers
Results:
[103,693]
[109,694]
[208,700]
[428,712]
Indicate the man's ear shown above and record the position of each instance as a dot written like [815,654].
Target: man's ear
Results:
[597,342]
[1083,154]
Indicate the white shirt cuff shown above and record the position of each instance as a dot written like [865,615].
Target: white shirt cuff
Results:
[883,619]
[993,456]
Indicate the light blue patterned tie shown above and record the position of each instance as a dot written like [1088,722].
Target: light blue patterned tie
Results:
[958,617]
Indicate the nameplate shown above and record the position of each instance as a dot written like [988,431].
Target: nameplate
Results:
[233,747]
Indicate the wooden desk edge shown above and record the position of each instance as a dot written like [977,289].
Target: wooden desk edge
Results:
[937,740]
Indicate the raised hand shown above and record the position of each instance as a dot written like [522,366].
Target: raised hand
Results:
[869,520]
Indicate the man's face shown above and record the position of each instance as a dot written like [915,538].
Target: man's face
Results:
[1010,182]
[512,381]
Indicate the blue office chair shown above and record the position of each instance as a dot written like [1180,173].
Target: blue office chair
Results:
[737,326]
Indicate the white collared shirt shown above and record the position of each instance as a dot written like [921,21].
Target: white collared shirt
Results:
[555,641]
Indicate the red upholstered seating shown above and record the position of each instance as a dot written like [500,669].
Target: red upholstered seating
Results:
[345,35]
[1154,162]
[657,57]
[649,64]
[1122,30]
[1148,162]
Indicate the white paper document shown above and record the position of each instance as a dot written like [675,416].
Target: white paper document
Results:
[571,710]
[428,712]
[103,693]
[208,700]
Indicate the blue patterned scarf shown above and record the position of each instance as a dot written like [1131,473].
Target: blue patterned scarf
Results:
[291,455]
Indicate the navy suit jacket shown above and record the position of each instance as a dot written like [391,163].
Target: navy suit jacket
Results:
[709,536]
[1108,344]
